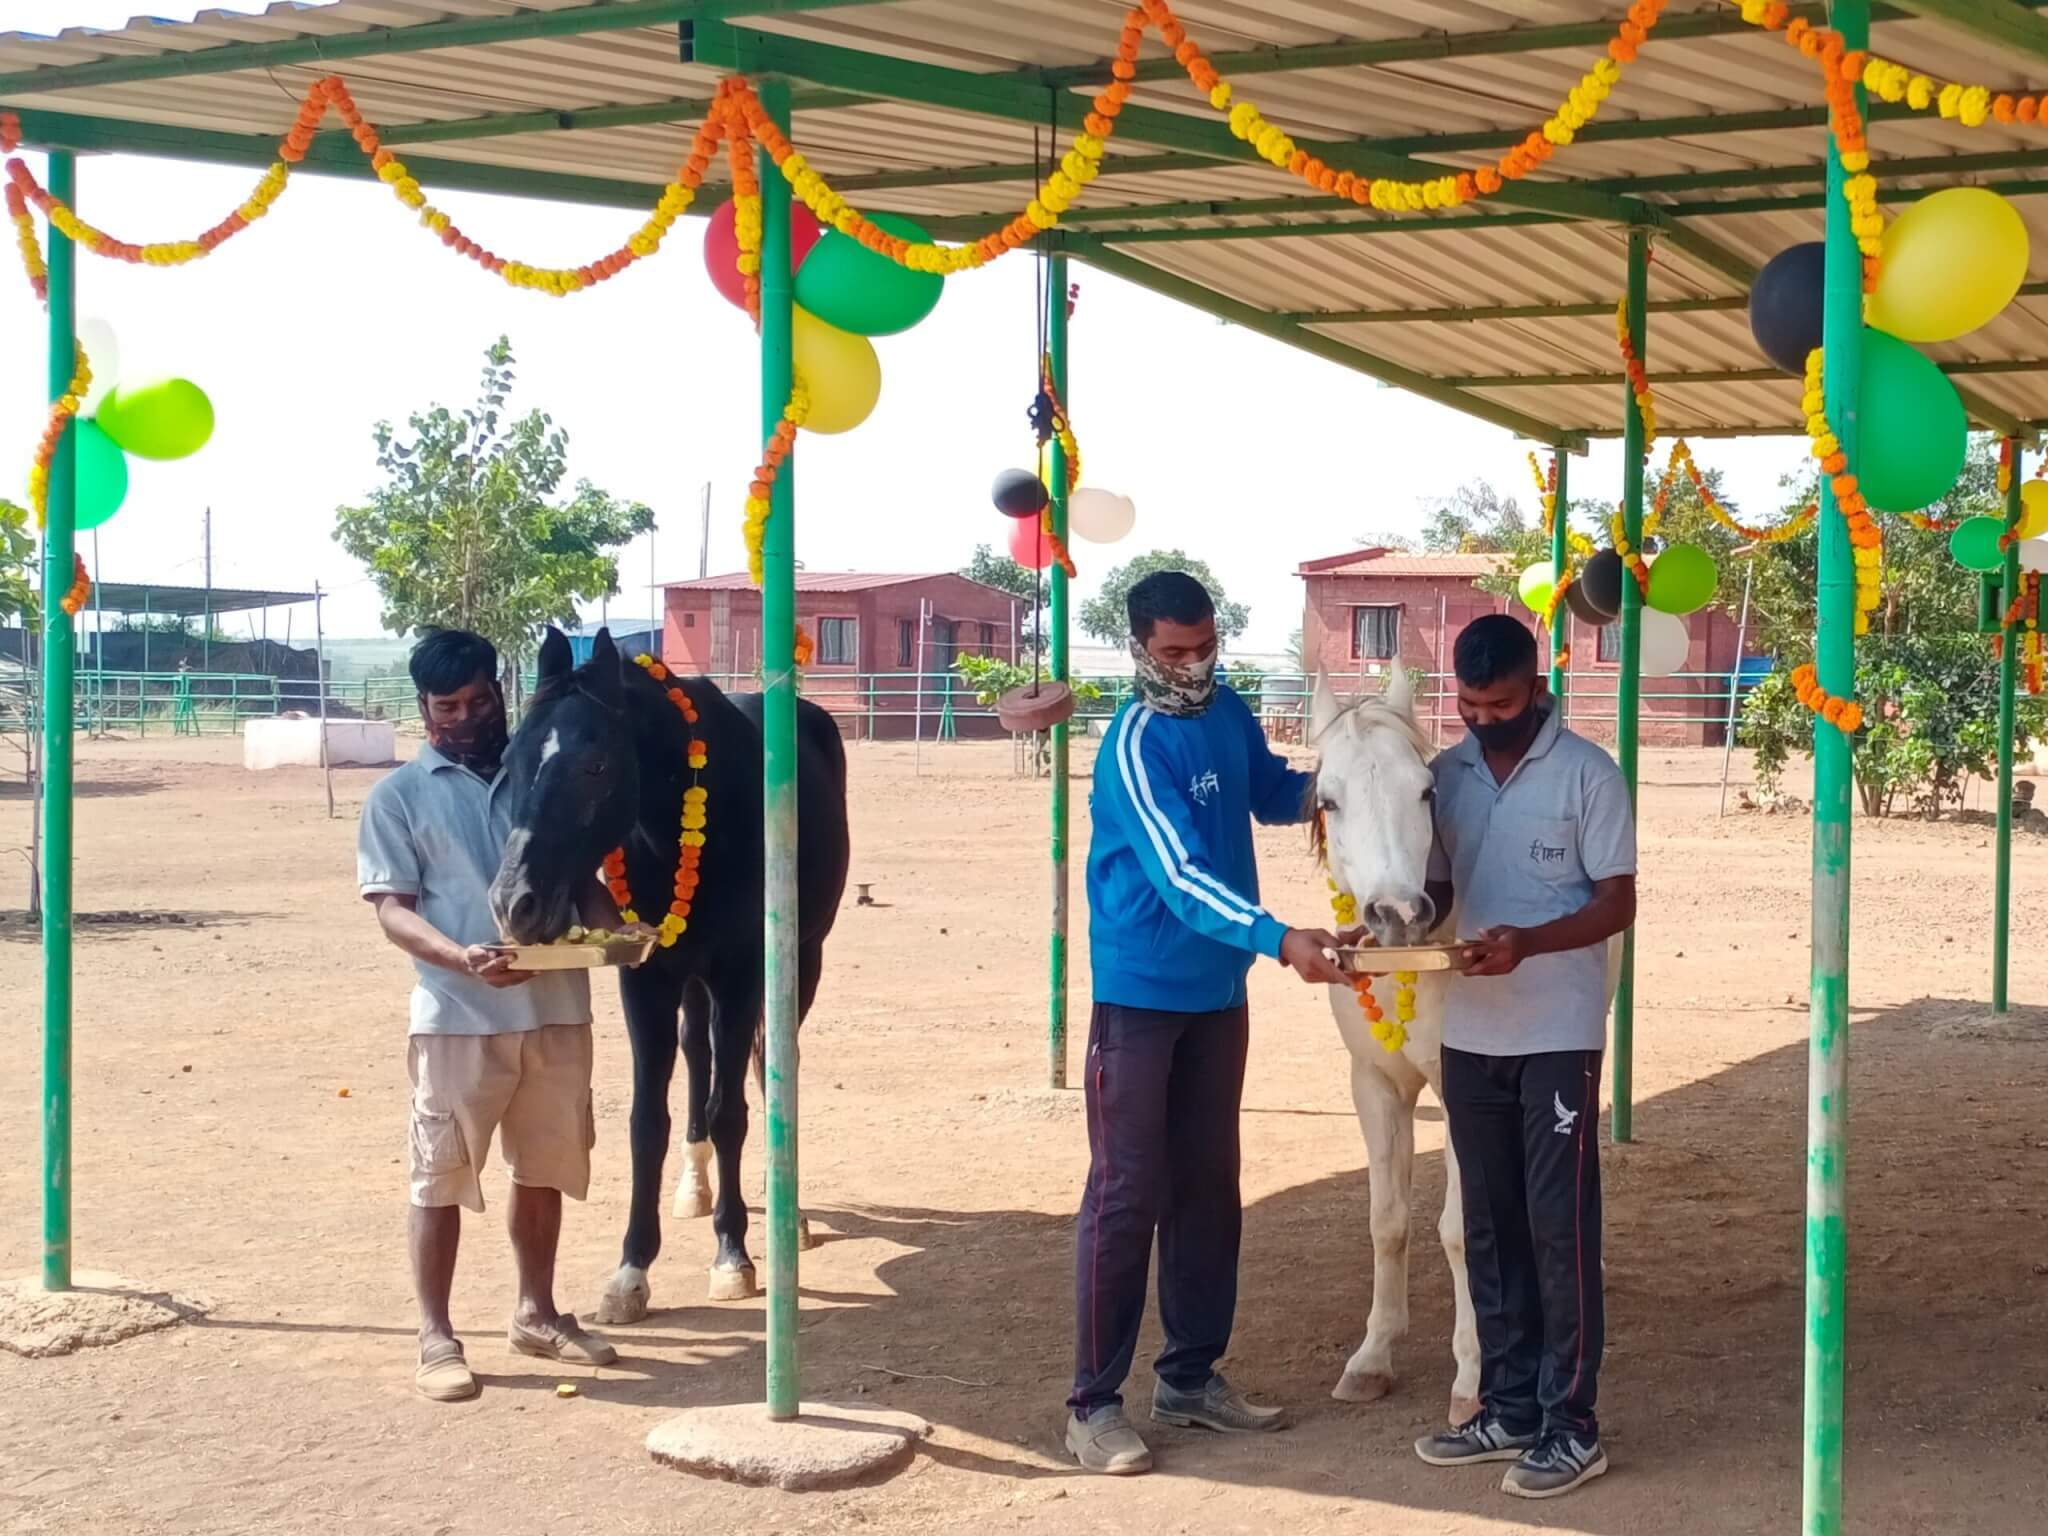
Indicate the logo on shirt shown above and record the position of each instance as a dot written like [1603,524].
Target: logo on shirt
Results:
[1565,1117]
[1541,852]
[1203,785]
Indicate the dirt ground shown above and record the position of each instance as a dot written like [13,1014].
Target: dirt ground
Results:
[217,1158]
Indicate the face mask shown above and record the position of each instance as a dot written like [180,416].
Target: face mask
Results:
[1505,735]
[1184,690]
[478,745]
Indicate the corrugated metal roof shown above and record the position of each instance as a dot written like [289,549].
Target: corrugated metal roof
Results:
[811,581]
[1447,104]
[1377,563]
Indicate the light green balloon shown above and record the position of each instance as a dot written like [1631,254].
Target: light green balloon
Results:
[1682,579]
[1975,543]
[1535,586]
[164,419]
[847,285]
[102,476]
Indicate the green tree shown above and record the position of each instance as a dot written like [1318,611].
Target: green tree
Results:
[1107,618]
[465,532]
[1475,519]
[17,560]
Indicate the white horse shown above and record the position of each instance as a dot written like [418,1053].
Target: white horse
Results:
[1374,789]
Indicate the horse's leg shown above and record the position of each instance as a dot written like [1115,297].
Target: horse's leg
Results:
[735,1023]
[651,996]
[1386,1113]
[693,1187]
[1464,1325]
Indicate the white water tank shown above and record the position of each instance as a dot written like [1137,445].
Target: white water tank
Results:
[294,742]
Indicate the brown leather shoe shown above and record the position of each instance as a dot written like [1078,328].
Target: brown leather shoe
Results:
[443,1374]
[564,1340]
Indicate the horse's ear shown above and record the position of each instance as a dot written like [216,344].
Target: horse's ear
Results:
[555,659]
[1399,694]
[603,679]
[1323,708]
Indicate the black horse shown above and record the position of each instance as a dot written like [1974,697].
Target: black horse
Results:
[600,761]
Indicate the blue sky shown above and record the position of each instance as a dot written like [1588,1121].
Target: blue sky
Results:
[338,309]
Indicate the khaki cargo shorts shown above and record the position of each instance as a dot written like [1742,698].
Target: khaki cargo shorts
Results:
[533,1086]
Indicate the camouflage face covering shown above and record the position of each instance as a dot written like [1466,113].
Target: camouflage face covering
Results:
[1185,691]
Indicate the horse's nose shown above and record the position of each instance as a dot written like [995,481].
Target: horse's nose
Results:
[1409,911]
[523,911]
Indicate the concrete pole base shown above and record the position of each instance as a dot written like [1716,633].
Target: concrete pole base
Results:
[825,1446]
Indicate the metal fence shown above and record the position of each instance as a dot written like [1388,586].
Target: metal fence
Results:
[933,706]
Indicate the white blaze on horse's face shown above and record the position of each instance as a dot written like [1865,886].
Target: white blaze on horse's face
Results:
[1375,791]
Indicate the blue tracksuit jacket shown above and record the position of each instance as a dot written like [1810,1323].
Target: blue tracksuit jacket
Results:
[1174,919]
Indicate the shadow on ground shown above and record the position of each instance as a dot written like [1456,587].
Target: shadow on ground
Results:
[1701,1396]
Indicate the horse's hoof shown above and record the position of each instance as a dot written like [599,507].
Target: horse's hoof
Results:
[1362,1387]
[624,1301]
[735,1283]
[1463,1410]
[804,1241]
[691,1204]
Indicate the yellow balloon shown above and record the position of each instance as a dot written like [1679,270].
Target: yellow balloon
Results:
[2033,509]
[1951,263]
[841,371]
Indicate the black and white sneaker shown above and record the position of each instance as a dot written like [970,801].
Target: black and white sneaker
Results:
[1480,1438]
[1557,1466]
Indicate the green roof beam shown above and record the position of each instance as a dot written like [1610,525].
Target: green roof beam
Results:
[324,51]
[679,110]
[1997,22]
[1018,171]
[1279,328]
[1590,309]
[1324,228]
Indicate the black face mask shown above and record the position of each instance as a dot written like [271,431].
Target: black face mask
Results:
[1506,735]
[478,745]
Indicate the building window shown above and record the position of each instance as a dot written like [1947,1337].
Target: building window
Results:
[689,621]
[906,642]
[1376,632]
[838,642]
[988,639]
[1607,645]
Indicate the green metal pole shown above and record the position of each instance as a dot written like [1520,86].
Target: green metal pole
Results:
[778,784]
[2008,677]
[1827,1072]
[59,661]
[1056,1025]
[1629,702]
[1561,621]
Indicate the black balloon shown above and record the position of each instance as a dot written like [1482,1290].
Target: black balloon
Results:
[1596,595]
[1020,493]
[1785,305]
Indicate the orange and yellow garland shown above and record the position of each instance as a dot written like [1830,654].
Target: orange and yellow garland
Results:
[1391,1035]
[1866,543]
[1638,376]
[1792,527]
[1846,715]
[62,410]
[690,854]
[794,415]
[73,601]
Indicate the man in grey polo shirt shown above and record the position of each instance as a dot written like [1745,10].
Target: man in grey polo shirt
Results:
[1536,846]
[491,1050]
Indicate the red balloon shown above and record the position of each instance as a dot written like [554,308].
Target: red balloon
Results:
[722,249]
[1029,547]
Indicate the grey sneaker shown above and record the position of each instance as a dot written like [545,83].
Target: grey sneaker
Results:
[1105,1442]
[1480,1438]
[1557,1466]
[1218,1406]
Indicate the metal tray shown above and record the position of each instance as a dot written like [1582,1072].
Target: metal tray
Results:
[574,957]
[1374,959]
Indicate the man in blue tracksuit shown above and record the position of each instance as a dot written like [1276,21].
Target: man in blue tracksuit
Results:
[1174,925]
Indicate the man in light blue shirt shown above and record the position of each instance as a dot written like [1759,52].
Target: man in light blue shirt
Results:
[1536,849]
[491,1051]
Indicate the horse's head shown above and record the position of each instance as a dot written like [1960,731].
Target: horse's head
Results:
[1373,793]
[574,781]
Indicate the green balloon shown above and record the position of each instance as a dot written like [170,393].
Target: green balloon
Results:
[1912,434]
[165,419]
[1975,543]
[1682,579]
[102,476]
[845,284]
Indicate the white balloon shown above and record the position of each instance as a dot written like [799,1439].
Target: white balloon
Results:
[1100,517]
[103,354]
[1666,643]
[2034,555]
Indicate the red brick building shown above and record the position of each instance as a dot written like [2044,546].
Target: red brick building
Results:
[868,632]
[1368,607]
